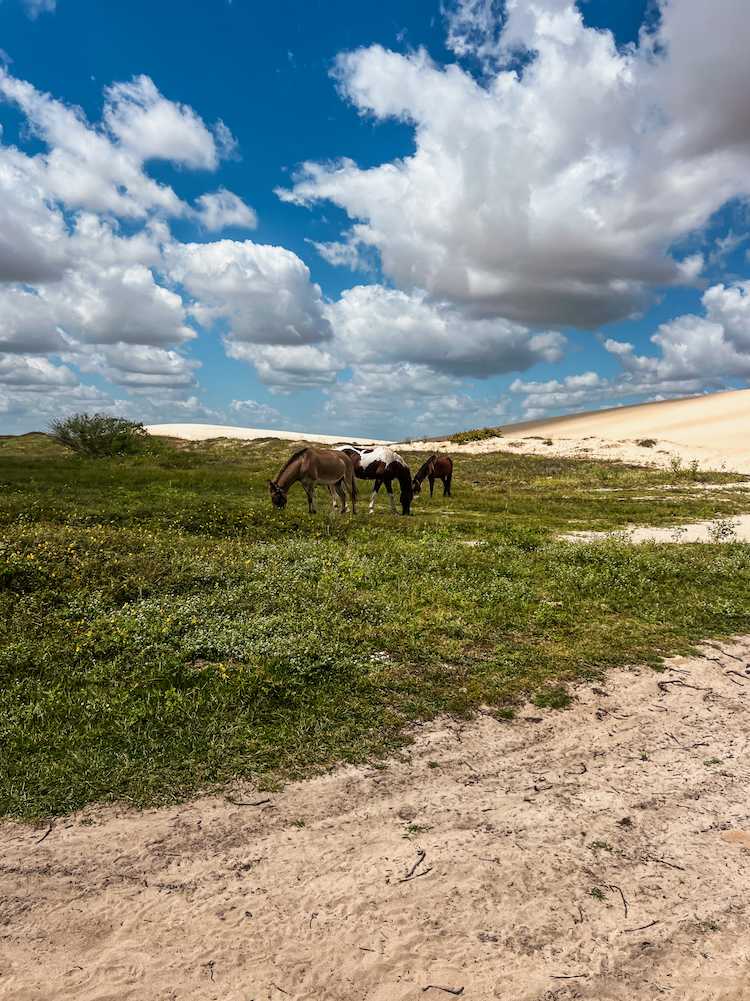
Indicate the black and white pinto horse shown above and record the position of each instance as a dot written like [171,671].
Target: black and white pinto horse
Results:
[383,466]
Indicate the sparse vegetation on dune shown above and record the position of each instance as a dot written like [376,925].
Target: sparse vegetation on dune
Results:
[164,629]
[475,434]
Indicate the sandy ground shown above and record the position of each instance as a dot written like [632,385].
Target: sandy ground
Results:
[712,430]
[598,853]
[661,455]
[733,529]
[202,432]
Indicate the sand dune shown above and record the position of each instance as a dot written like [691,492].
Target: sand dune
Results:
[202,432]
[713,430]
[599,854]
[695,421]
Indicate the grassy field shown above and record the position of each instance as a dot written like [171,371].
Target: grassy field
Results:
[165,630]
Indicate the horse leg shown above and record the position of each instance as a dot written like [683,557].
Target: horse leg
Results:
[391,498]
[333,491]
[447,485]
[342,495]
[310,491]
[431,478]
[373,495]
[353,492]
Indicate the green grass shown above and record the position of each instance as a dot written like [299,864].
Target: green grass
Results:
[165,630]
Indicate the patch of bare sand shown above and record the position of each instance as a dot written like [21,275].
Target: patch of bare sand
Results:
[598,853]
[733,529]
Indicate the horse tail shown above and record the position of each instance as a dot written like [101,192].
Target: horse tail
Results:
[354,486]
[407,492]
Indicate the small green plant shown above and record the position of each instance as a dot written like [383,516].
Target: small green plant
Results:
[712,761]
[675,464]
[298,823]
[646,442]
[596,893]
[412,830]
[601,846]
[475,434]
[553,697]
[99,436]
[693,469]
[644,756]
[433,764]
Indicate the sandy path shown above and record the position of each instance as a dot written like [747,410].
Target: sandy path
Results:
[636,789]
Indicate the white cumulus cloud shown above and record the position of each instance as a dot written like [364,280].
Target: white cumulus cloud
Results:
[377,324]
[223,208]
[263,293]
[694,353]
[552,191]
[259,413]
[154,128]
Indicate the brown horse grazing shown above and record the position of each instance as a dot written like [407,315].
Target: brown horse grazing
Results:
[382,465]
[437,467]
[311,466]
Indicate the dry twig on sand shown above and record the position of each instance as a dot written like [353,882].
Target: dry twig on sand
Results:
[242,802]
[46,833]
[412,873]
[642,927]
[683,684]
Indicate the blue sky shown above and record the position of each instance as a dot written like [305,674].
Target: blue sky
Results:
[430,216]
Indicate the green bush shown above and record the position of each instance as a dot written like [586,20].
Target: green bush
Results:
[475,434]
[98,435]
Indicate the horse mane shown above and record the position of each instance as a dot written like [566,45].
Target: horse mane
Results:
[422,471]
[291,459]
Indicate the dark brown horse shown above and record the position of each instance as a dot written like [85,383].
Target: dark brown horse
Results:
[311,466]
[382,465]
[437,467]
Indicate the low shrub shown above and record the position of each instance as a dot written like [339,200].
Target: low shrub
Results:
[99,435]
